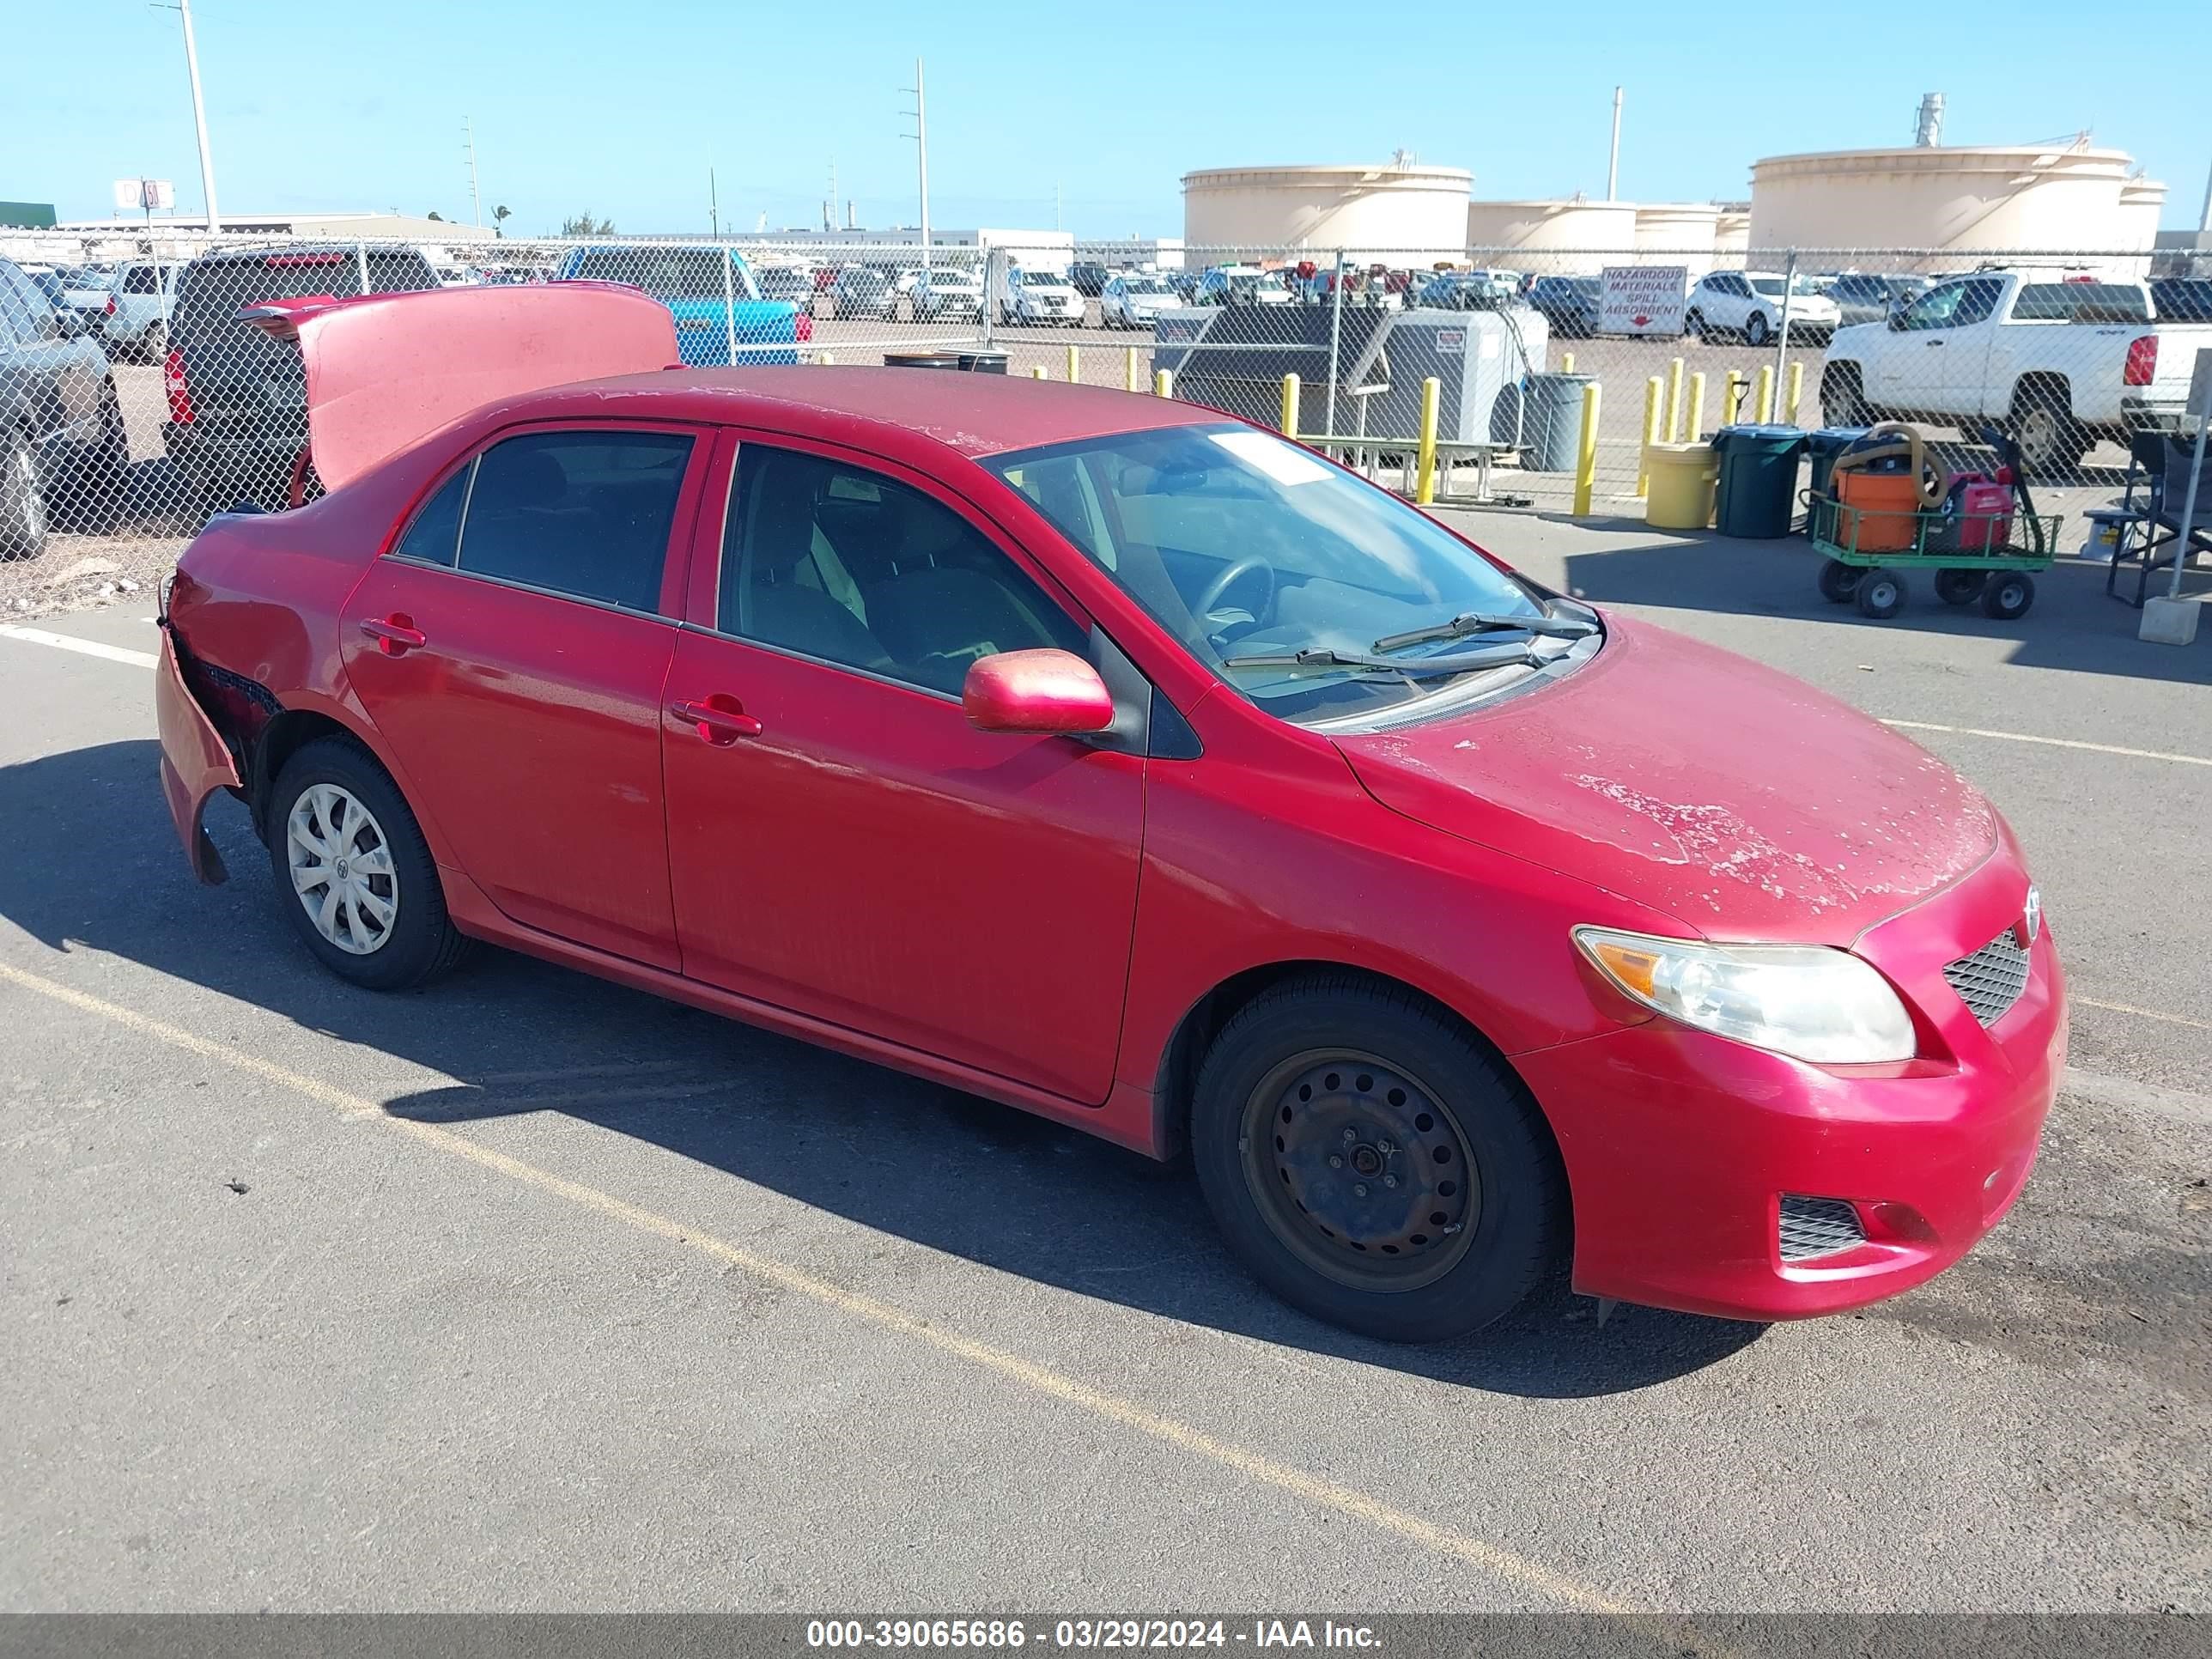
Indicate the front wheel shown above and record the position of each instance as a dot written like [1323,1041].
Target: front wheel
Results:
[354,873]
[1880,594]
[22,498]
[1755,331]
[2007,595]
[1373,1164]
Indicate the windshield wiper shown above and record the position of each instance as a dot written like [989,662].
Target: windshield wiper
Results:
[1465,663]
[1483,622]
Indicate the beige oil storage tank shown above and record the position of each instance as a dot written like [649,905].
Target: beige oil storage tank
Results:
[1732,234]
[2141,202]
[1945,198]
[1677,233]
[1572,237]
[1402,214]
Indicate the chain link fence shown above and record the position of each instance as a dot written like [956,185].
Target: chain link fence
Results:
[137,401]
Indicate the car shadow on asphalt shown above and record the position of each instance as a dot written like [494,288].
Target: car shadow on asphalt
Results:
[2074,625]
[93,864]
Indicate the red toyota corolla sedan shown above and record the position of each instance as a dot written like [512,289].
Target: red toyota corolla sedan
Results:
[1129,764]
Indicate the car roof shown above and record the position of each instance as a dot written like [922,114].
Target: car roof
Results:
[973,415]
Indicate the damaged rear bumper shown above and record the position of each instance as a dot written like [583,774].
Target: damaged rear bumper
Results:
[195,762]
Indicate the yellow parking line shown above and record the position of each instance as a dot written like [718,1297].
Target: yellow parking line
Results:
[1515,1569]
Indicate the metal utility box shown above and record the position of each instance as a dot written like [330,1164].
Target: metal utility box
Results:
[1480,358]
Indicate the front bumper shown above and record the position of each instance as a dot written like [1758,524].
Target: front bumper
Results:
[1679,1146]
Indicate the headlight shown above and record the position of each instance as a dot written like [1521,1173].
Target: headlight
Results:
[1828,1006]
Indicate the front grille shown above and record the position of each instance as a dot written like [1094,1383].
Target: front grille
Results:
[1991,980]
[1818,1226]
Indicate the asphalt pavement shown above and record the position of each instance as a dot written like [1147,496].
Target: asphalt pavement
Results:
[527,1291]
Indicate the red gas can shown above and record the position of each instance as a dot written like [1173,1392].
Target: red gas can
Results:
[1984,516]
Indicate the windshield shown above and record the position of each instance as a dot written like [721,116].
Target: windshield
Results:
[1145,285]
[1773,286]
[1242,545]
[1042,279]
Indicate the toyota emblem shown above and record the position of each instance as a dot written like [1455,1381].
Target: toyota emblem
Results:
[2031,916]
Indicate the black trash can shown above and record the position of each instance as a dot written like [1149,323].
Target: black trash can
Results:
[921,360]
[983,362]
[1757,493]
[1822,448]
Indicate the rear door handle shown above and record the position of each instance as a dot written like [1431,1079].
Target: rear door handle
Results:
[394,634]
[720,720]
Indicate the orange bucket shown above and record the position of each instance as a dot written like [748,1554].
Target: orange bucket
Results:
[1879,511]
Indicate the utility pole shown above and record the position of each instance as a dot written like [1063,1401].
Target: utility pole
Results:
[476,196]
[2204,219]
[1055,204]
[829,202]
[199,117]
[920,136]
[1613,166]
[714,207]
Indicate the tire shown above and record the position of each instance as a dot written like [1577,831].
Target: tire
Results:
[1755,331]
[1839,581]
[1693,327]
[22,498]
[1376,1064]
[2052,443]
[2007,594]
[418,940]
[1843,398]
[1880,594]
[154,343]
[1960,587]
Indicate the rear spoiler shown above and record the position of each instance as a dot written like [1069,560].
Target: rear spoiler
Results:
[386,370]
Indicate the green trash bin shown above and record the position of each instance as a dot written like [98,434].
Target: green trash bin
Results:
[1758,495]
[1821,448]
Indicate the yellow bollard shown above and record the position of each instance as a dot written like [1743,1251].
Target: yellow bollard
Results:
[1424,478]
[1163,384]
[1037,372]
[1731,396]
[1566,363]
[1133,378]
[1289,405]
[1586,452]
[1797,389]
[1696,406]
[1074,366]
[1654,391]
[826,358]
[1765,403]
[1674,401]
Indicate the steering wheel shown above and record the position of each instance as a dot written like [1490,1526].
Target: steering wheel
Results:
[1250,566]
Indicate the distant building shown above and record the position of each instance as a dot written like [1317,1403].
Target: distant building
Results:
[27,215]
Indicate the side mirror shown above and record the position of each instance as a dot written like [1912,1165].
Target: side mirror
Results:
[1045,693]
[1897,319]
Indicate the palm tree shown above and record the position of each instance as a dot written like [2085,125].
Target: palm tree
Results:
[498,217]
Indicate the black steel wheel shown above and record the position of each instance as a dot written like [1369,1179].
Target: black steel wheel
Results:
[1838,580]
[1880,594]
[2007,594]
[1959,587]
[1373,1163]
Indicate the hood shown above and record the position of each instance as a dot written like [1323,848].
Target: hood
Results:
[1740,801]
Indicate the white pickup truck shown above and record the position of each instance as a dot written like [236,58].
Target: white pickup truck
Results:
[2060,361]
[141,298]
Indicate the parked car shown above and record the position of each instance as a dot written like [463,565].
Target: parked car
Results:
[2182,299]
[1133,299]
[710,292]
[1041,297]
[61,439]
[87,290]
[1089,277]
[1190,791]
[865,291]
[237,429]
[48,282]
[792,285]
[948,294]
[1750,306]
[1864,297]
[1571,305]
[136,320]
[1242,285]
[2060,363]
[1469,290]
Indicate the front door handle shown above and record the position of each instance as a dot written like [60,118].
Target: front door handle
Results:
[720,720]
[394,634]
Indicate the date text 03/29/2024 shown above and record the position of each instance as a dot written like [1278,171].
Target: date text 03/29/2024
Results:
[1122,1634]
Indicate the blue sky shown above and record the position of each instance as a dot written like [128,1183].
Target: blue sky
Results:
[621,109]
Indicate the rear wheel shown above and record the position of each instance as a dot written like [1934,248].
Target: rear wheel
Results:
[2052,443]
[2008,594]
[1755,331]
[354,873]
[1693,325]
[1843,398]
[1959,587]
[153,344]
[1374,1165]
[22,498]
[1880,594]
[1839,581]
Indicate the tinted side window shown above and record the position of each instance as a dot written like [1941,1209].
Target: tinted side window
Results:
[18,320]
[435,535]
[139,279]
[839,563]
[584,513]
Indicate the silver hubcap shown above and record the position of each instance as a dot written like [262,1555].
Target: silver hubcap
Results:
[27,485]
[342,869]
[2038,434]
